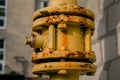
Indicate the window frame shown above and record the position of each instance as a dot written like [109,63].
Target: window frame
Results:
[3,61]
[40,4]
[4,17]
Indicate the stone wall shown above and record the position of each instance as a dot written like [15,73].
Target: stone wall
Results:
[106,38]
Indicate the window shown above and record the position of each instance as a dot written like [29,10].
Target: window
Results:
[2,45]
[0,67]
[2,14]
[41,4]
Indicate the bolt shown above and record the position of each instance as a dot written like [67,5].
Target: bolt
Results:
[62,72]
[51,50]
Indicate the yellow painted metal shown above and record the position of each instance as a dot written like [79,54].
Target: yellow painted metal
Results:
[65,9]
[35,42]
[88,39]
[69,19]
[38,43]
[51,37]
[62,2]
[45,34]
[66,54]
[70,67]
[62,41]
[73,76]
[76,38]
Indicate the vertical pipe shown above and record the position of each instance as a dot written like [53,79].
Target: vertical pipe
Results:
[64,77]
[88,39]
[76,38]
[51,36]
[62,2]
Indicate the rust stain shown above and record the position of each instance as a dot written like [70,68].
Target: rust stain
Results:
[62,18]
[62,59]
[78,55]
[66,9]
[65,38]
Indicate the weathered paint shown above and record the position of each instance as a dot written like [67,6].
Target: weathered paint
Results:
[45,33]
[76,38]
[65,77]
[65,9]
[70,67]
[62,2]
[64,54]
[88,39]
[62,41]
[51,37]
[35,41]
[62,38]
[69,19]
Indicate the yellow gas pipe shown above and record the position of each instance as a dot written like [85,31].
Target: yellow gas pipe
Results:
[62,33]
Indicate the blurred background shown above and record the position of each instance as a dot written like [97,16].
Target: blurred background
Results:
[16,23]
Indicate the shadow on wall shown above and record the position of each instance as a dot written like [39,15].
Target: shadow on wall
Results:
[82,2]
[109,38]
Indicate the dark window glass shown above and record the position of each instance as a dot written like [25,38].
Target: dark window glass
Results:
[41,4]
[1,55]
[45,3]
[1,22]
[0,67]
[2,2]
[2,12]
[1,43]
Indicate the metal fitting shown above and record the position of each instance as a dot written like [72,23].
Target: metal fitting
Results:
[35,41]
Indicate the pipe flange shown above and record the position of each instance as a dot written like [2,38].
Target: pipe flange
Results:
[68,67]
[64,9]
[67,55]
[43,22]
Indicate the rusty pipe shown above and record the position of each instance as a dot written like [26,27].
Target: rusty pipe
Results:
[62,33]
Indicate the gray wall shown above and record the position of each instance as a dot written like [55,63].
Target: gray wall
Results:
[106,38]
[19,23]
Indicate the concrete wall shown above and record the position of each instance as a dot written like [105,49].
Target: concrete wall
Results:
[106,38]
[19,23]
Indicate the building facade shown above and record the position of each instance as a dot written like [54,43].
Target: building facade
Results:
[16,23]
